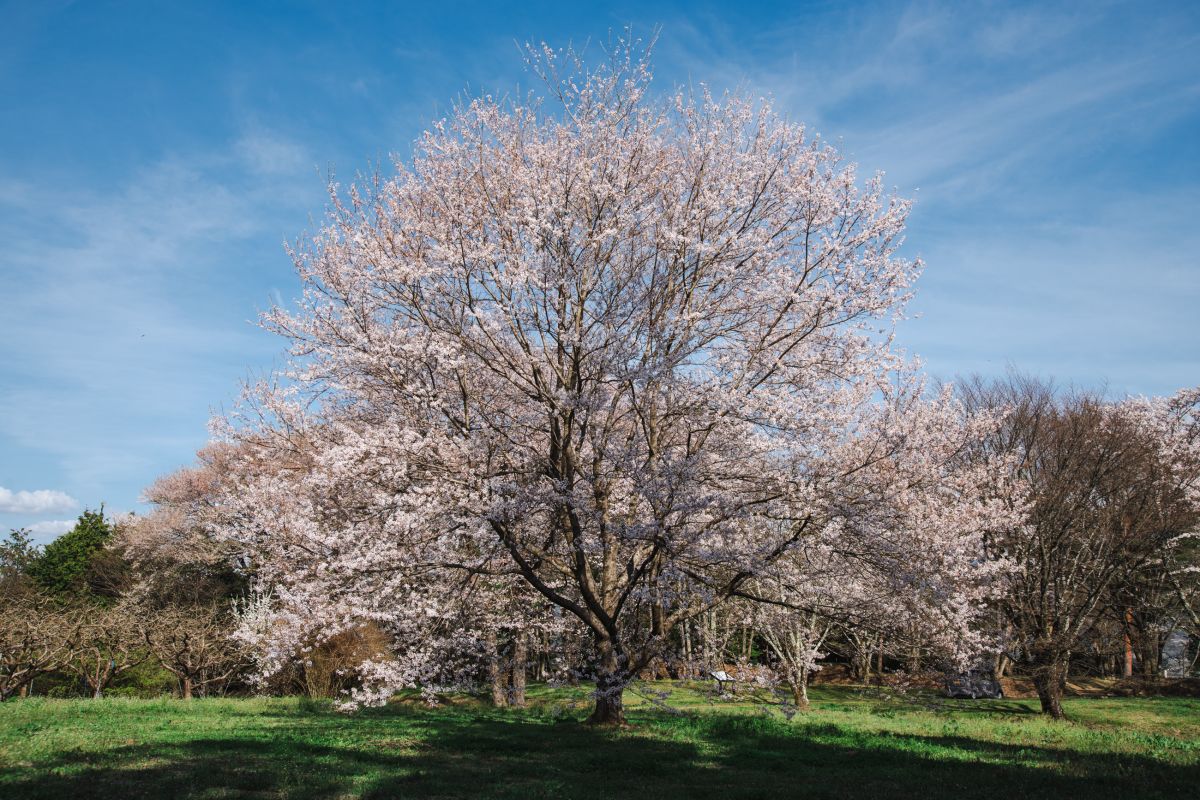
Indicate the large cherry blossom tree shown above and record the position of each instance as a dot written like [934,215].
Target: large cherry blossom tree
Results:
[627,350]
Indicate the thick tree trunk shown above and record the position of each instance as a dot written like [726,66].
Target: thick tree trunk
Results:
[861,654]
[498,675]
[187,688]
[914,660]
[610,707]
[1150,655]
[1049,681]
[800,691]
[1001,668]
[610,687]
[518,671]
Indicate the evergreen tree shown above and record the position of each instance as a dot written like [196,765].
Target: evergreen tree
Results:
[64,563]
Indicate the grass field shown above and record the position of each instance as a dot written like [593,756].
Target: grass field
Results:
[849,745]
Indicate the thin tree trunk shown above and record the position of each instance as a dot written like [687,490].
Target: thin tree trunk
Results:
[1128,673]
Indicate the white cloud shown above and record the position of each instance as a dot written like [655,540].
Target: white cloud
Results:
[50,529]
[40,501]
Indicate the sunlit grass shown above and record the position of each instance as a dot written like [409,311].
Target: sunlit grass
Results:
[849,744]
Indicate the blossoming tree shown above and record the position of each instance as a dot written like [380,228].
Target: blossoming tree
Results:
[902,551]
[622,349]
[1112,484]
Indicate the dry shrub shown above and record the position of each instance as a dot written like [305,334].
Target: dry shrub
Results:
[331,667]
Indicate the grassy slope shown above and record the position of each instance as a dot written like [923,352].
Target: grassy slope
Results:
[848,746]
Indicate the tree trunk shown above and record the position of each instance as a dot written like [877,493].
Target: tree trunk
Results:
[1049,681]
[861,653]
[1151,651]
[187,687]
[610,687]
[518,671]
[914,660]
[800,690]
[610,707]
[1002,664]
[1128,673]
[497,675]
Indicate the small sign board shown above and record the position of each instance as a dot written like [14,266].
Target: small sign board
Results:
[722,678]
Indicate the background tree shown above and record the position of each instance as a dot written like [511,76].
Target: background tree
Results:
[110,642]
[1181,568]
[17,554]
[67,563]
[196,644]
[172,552]
[1111,483]
[1142,611]
[36,637]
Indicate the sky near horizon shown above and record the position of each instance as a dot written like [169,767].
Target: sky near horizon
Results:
[154,158]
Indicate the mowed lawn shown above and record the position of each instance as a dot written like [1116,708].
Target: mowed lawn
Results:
[850,744]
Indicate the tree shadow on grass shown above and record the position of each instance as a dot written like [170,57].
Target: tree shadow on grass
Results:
[415,754]
[995,707]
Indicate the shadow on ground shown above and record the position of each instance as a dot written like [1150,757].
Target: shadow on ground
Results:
[463,755]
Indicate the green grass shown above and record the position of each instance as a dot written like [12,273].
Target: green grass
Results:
[848,745]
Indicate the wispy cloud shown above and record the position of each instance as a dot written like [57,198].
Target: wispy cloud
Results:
[38,501]
[136,305]
[1052,154]
[1054,148]
[954,94]
[269,153]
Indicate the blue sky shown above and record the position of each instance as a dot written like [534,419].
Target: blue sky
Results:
[154,158]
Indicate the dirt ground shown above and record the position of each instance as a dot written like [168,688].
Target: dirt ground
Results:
[1111,687]
[1019,688]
